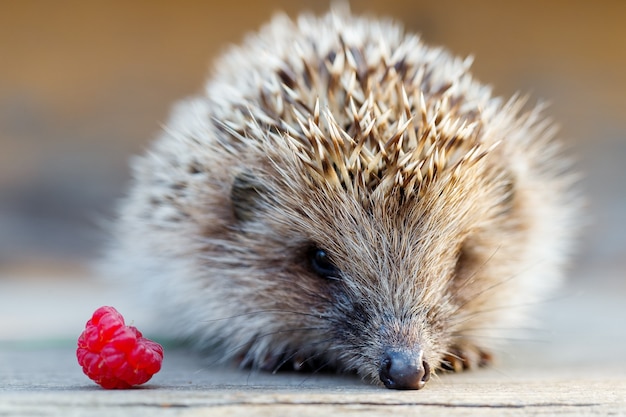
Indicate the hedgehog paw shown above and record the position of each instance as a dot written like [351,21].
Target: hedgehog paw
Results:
[464,356]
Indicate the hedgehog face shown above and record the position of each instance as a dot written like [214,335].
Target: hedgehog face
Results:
[384,163]
[389,313]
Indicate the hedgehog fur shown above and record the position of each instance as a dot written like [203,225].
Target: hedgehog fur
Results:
[341,191]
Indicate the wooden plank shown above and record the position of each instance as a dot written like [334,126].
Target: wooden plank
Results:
[49,383]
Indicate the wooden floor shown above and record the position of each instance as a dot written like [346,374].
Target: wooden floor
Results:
[49,383]
[575,366]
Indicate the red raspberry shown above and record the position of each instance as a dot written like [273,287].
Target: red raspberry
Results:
[115,355]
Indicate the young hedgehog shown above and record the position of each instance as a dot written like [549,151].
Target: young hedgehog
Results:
[344,196]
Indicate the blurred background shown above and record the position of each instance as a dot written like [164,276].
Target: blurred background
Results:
[85,85]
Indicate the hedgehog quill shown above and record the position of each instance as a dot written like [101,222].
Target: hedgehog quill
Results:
[343,195]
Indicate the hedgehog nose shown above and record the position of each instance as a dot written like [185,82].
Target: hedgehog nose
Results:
[404,369]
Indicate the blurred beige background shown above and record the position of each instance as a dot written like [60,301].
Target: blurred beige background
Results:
[84,85]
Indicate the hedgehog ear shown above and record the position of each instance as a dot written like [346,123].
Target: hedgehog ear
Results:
[245,194]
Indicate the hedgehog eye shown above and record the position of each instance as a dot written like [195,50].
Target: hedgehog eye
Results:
[322,265]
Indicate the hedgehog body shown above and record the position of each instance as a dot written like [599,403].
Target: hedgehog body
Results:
[343,195]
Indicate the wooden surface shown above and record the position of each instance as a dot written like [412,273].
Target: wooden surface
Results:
[49,383]
[574,366]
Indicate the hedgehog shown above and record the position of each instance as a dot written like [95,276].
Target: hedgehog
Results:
[342,196]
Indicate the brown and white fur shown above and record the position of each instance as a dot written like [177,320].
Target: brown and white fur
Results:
[343,195]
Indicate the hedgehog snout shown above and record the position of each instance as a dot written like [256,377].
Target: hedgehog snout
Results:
[404,369]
